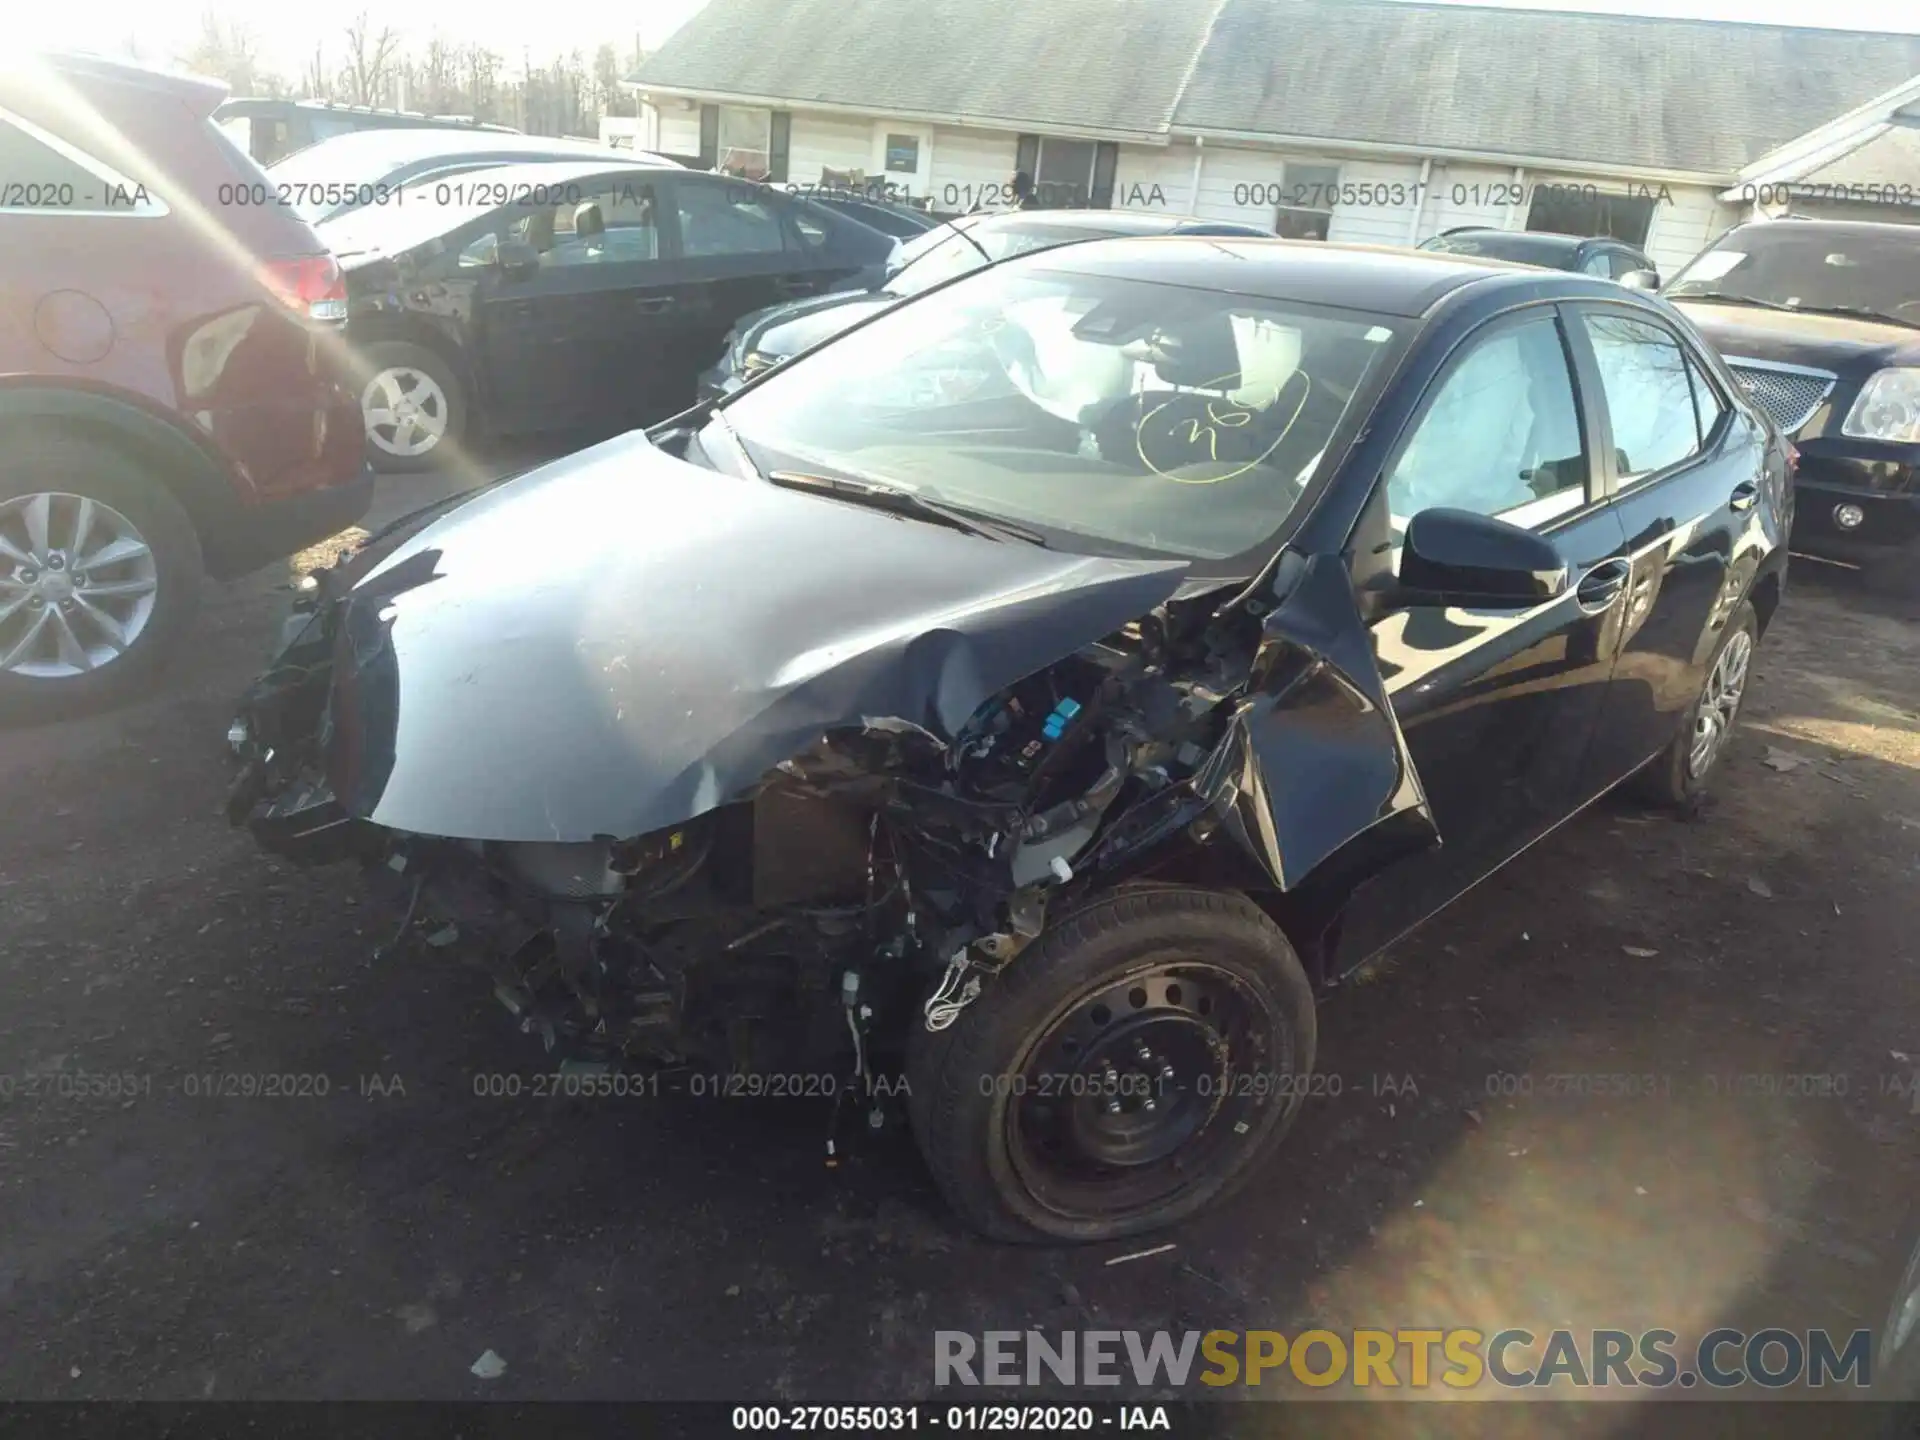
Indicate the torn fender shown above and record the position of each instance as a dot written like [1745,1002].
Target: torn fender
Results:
[619,641]
[1314,776]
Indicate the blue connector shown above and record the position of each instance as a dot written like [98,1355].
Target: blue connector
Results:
[1062,716]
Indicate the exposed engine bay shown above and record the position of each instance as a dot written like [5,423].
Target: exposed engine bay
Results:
[730,817]
[789,926]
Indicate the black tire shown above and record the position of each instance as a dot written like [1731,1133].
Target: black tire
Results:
[384,355]
[970,1112]
[1669,780]
[65,465]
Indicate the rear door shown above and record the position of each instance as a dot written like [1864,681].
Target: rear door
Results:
[1684,467]
[586,338]
[1498,705]
[739,253]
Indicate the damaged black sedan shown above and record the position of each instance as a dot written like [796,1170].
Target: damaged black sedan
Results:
[1043,690]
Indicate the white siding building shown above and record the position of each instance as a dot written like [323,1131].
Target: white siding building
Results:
[1369,121]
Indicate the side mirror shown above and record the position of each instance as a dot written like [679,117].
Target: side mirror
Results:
[1648,280]
[517,259]
[1471,558]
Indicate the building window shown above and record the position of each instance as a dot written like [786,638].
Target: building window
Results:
[1308,192]
[903,154]
[746,142]
[1063,180]
[1590,210]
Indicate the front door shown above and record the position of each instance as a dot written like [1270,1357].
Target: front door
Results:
[1498,705]
[739,253]
[575,341]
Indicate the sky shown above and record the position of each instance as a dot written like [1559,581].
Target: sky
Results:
[286,36]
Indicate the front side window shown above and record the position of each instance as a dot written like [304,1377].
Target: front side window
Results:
[1501,435]
[721,219]
[1599,263]
[1643,373]
[1309,191]
[1812,267]
[1134,416]
[614,224]
[746,142]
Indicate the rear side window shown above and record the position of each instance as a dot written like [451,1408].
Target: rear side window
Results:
[725,219]
[40,174]
[1650,396]
[1706,402]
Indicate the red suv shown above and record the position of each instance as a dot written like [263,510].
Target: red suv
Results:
[171,376]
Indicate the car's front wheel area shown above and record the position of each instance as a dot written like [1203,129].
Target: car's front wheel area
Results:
[100,576]
[1128,1069]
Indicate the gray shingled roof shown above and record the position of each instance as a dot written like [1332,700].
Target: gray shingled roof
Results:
[1630,90]
[1891,158]
[1101,64]
[1627,90]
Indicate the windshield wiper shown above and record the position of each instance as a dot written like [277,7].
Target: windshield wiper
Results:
[1857,312]
[906,503]
[1860,312]
[1727,297]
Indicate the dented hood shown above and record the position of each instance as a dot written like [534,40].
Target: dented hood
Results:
[618,641]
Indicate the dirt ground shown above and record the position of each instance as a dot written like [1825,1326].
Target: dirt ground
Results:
[1754,969]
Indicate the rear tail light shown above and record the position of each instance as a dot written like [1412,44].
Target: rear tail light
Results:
[313,286]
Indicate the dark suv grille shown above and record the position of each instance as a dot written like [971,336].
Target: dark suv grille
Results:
[1789,396]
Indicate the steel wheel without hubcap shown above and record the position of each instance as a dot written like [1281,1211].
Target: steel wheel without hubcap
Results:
[1719,703]
[406,411]
[77,584]
[1124,1099]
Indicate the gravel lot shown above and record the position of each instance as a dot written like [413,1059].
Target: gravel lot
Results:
[370,1245]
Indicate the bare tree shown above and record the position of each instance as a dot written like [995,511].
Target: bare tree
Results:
[317,82]
[481,86]
[437,82]
[226,50]
[370,60]
[606,79]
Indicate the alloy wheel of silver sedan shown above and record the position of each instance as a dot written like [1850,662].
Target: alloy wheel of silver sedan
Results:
[1719,703]
[406,411]
[77,584]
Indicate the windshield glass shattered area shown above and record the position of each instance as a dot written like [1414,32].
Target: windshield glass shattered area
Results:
[1155,417]
[1811,268]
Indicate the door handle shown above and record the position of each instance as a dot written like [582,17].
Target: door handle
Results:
[791,286]
[1745,495]
[1602,585]
[653,304]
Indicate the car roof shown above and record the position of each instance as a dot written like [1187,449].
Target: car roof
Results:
[407,144]
[1818,222]
[548,173]
[1102,222]
[1388,280]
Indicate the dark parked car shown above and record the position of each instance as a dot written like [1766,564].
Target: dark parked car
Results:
[903,222]
[1047,687]
[1600,255]
[271,130]
[1820,320]
[370,167]
[540,297]
[171,377]
[764,339]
